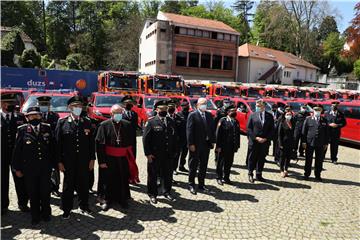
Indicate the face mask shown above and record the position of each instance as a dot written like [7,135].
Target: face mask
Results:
[258,109]
[317,113]
[233,114]
[226,105]
[10,108]
[288,117]
[171,110]
[117,117]
[334,108]
[128,106]
[302,110]
[162,114]
[203,107]
[185,109]
[44,108]
[76,111]
[35,122]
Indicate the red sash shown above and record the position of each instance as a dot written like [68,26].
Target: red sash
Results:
[125,152]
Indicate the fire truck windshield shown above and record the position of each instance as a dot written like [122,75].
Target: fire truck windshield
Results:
[301,94]
[168,84]
[122,82]
[196,90]
[279,93]
[107,101]
[57,103]
[253,93]
[150,101]
[230,91]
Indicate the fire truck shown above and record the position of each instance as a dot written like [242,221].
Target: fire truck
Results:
[226,90]
[122,82]
[197,87]
[253,90]
[161,84]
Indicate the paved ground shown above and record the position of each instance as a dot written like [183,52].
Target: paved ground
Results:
[279,209]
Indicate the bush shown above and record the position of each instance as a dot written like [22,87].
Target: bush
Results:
[30,58]
[78,61]
[357,68]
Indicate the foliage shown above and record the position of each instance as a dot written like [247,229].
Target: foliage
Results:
[357,68]
[30,58]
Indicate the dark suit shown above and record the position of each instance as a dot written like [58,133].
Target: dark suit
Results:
[132,117]
[316,136]
[256,150]
[335,133]
[299,122]
[286,142]
[180,122]
[202,135]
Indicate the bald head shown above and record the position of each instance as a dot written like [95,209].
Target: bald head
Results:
[202,104]
[116,109]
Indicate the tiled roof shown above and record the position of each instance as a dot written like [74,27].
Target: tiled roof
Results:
[287,59]
[23,35]
[196,22]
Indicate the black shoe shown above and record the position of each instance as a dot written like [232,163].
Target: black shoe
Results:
[260,179]
[251,179]
[46,218]
[169,197]
[175,183]
[4,211]
[306,178]
[175,172]
[91,191]
[24,208]
[203,189]
[86,210]
[192,190]
[219,181]
[334,162]
[227,181]
[124,205]
[153,200]
[318,179]
[183,169]
[66,215]
[105,207]
[301,155]
[35,222]
[56,193]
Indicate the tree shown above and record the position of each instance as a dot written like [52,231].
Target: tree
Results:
[353,35]
[332,46]
[243,8]
[11,45]
[78,61]
[327,26]
[177,6]
[30,58]
[357,68]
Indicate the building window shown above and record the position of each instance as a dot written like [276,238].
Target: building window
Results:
[287,74]
[216,62]
[177,30]
[220,36]
[214,35]
[311,75]
[298,74]
[205,60]
[199,33]
[162,61]
[182,31]
[228,63]
[181,58]
[162,30]
[233,38]
[227,37]
[193,60]
[191,32]
[206,34]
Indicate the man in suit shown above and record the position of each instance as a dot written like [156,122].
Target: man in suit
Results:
[277,114]
[131,116]
[200,133]
[299,122]
[336,121]
[260,129]
[315,134]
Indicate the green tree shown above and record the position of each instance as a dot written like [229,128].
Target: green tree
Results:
[30,58]
[332,46]
[77,61]
[327,26]
[11,45]
[177,6]
[357,68]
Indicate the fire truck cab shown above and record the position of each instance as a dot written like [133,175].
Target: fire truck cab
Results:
[114,81]
[161,84]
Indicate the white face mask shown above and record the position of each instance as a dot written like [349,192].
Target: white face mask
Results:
[317,113]
[288,117]
[76,111]
[44,108]
[203,107]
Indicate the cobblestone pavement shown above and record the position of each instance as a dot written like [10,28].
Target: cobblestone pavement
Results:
[278,209]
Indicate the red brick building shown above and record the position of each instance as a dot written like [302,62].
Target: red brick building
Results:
[196,48]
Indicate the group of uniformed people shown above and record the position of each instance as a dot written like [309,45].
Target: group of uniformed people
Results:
[39,145]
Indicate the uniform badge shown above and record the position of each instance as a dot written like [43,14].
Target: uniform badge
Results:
[46,134]
[28,142]
[69,119]
[28,129]
[87,131]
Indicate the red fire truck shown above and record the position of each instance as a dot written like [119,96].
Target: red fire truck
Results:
[161,84]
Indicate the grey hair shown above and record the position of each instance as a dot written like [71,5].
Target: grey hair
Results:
[201,100]
[116,107]
[260,101]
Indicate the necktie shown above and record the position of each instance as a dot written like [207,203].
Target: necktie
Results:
[7,117]
[261,119]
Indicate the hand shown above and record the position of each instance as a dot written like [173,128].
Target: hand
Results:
[281,147]
[304,145]
[263,140]
[218,150]
[91,164]
[103,165]
[61,167]
[150,158]
[192,148]
[333,125]
[19,174]
[258,139]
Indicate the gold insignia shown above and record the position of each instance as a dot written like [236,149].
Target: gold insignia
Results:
[69,119]
[28,142]
[87,131]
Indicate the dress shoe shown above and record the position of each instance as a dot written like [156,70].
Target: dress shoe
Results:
[192,190]
[4,211]
[260,179]
[56,193]
[169,197]
[203,189]
[153,200]
[24,208]
[183,169]
[105,207]
[35,222]
[219,181]
[306,178]
[301,155]
[66,215]
[251,179]
[46,218]
[319,179]
[86,210]
[228,182]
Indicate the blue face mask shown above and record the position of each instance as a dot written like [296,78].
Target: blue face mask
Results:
[117,117]
[257,109]
[76,111]
[44,108]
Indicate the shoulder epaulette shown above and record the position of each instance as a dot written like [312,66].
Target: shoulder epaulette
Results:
[21,126]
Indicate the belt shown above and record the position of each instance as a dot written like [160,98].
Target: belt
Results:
[128,154]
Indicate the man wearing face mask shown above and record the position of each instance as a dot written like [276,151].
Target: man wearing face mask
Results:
[75,147]
[116,159]
[227,144]
[181,119]
[33,160]
[336,121]
[260,129]
[176,120]
[159,142]
[316,138]
[200,133]
[9,124]
[277,115]
[51,118]
[221,112]
[131,116]
[299,120]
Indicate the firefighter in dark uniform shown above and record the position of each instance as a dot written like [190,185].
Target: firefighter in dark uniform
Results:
[132,117]
[336,121]
[299,120]
[9,123]
[220,113]
[33,160]
[159,142]
[316,138]
[75,146]
[51,118]
[172,114]
[181,119]
[227,144]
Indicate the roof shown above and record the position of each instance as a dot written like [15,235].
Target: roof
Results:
[195,22]
[287,59]
[23,35]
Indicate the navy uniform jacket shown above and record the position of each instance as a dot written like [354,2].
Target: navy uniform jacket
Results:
[180,121]
[51,118]
[220,113]
[256,129]
[337,118]
[34,153]
[315,133]
[199,134]
[75,144]
[299,122]
[159,139]
[228,134]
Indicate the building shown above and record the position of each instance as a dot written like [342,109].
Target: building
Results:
[264,65]
[28,43]
[196,48]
